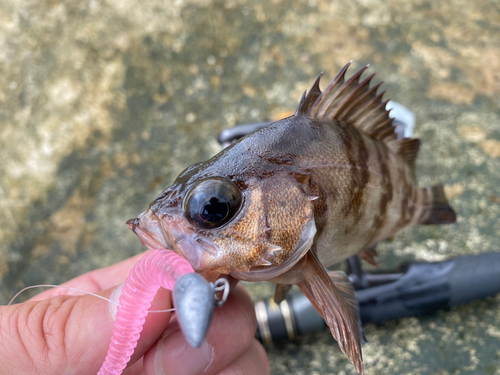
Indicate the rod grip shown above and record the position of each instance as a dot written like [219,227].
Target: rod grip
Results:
[474,277]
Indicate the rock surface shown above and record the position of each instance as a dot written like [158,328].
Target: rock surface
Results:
[103,103]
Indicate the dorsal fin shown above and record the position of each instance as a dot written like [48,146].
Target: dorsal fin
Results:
[357,104]
[307,102]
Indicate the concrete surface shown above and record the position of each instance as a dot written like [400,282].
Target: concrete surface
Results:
[103,103]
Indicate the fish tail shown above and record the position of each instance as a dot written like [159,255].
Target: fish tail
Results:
[439,211]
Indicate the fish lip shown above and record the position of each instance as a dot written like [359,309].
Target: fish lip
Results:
[132,223]
[150,231]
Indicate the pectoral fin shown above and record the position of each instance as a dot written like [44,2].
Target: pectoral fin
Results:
[328,301]
[281,291]
[346,289]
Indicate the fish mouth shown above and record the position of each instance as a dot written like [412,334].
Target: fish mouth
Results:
[150,231]
[176,235]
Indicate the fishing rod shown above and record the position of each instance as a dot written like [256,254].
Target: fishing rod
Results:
[415,289]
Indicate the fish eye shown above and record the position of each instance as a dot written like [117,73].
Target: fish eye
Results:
[212,203]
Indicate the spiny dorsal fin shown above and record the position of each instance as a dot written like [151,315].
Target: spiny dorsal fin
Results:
[358,104]
[307,101]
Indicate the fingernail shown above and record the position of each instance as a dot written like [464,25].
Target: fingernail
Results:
[173,326]
[191,360]
[115,300]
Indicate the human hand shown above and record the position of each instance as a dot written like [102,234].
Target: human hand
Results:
[59,333]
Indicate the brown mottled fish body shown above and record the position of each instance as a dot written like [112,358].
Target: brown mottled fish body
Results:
[365,192]
[297,196]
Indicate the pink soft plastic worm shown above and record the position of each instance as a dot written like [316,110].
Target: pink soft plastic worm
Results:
[160,268]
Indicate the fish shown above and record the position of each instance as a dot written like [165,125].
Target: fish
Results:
[288,201]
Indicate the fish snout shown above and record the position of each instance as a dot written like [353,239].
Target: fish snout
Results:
[149,230]
[132,223]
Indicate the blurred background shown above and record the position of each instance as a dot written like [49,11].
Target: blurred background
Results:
[104,102]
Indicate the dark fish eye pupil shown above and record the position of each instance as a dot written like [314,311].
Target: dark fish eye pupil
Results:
[212,203]
[214,210]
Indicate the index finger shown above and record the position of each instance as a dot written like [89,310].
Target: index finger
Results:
[68,334]
[94,281]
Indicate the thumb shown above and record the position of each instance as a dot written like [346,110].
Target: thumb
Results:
[67,334]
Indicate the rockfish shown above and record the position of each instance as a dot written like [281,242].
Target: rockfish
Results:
[289,200]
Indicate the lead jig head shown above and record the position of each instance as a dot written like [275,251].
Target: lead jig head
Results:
[195,299]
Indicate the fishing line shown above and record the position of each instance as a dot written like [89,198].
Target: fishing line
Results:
[76,290]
